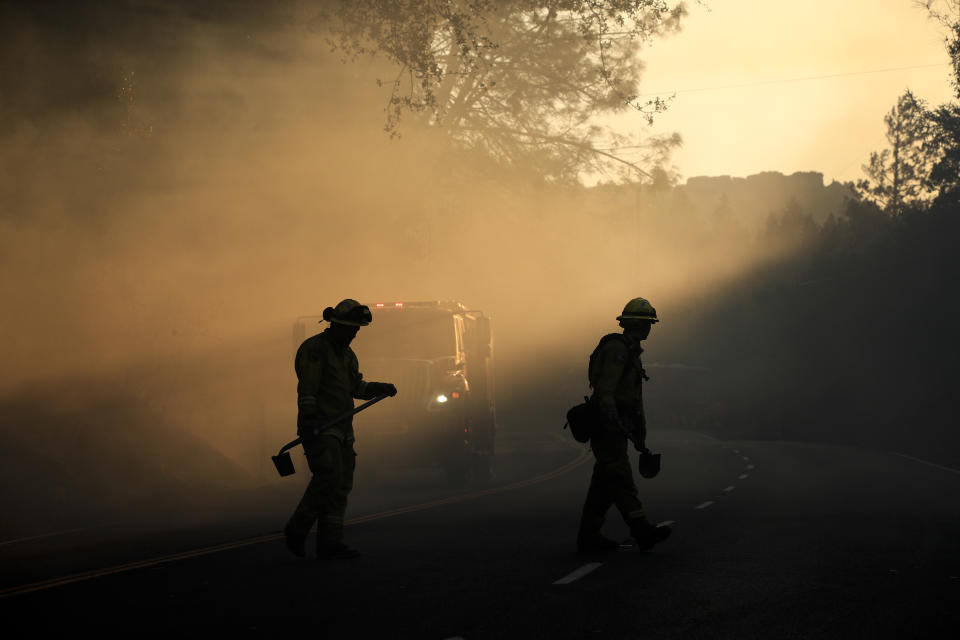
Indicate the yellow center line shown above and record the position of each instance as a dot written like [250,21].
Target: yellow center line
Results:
[130,566]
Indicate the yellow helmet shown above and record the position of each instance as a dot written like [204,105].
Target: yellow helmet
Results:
[638,309]
[349,312]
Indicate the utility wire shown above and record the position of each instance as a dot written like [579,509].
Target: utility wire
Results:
[799,79]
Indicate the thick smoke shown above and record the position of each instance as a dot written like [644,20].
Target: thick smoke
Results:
[178,186]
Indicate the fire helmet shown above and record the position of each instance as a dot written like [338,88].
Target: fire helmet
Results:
[638,310]
[349,312]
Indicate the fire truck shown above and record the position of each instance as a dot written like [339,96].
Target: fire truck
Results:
[439,354]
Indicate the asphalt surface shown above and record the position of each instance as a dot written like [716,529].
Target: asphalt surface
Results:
[771,539]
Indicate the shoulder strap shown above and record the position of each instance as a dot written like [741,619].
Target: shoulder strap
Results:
[635,352]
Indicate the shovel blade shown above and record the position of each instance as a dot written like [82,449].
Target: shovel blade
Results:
[650,465]
[284,464]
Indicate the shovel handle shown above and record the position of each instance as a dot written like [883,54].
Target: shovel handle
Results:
[330,423]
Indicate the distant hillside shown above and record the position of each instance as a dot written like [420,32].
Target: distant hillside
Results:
[725,200]
[752,199]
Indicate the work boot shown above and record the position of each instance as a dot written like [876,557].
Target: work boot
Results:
[595,541]
[295,543]
[335,551]
[647,535]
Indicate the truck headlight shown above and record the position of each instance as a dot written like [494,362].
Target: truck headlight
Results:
[441,398]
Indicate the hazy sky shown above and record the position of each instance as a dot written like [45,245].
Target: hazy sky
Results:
[828,124]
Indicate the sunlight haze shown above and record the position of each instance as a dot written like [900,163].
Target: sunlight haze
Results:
[832,123]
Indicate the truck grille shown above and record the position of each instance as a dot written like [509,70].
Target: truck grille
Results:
[412,378]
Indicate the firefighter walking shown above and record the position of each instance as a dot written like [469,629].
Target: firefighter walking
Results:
[328,379]
[616,375]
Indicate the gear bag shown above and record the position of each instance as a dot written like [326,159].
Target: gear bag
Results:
[580,419]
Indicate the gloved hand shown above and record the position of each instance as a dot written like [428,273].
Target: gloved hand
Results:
[381,389]
[638,434]
[640,445]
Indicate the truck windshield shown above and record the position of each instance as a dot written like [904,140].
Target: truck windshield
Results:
[407,333]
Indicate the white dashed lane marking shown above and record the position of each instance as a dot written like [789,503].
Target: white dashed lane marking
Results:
[742,476]
[579,573]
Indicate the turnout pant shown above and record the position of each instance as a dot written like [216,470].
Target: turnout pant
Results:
[611,483]
[325,499]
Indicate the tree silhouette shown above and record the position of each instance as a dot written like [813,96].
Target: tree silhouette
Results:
[944,176]
[896,177]
[521,80]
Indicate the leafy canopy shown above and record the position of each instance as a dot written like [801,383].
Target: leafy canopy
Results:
[921,167]
[521,80]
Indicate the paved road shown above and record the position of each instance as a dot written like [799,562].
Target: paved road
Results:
[772,539]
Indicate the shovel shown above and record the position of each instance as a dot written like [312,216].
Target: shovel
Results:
[282,460]
[649,464]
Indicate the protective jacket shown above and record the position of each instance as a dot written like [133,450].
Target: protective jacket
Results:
[616,376]
[328,379]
